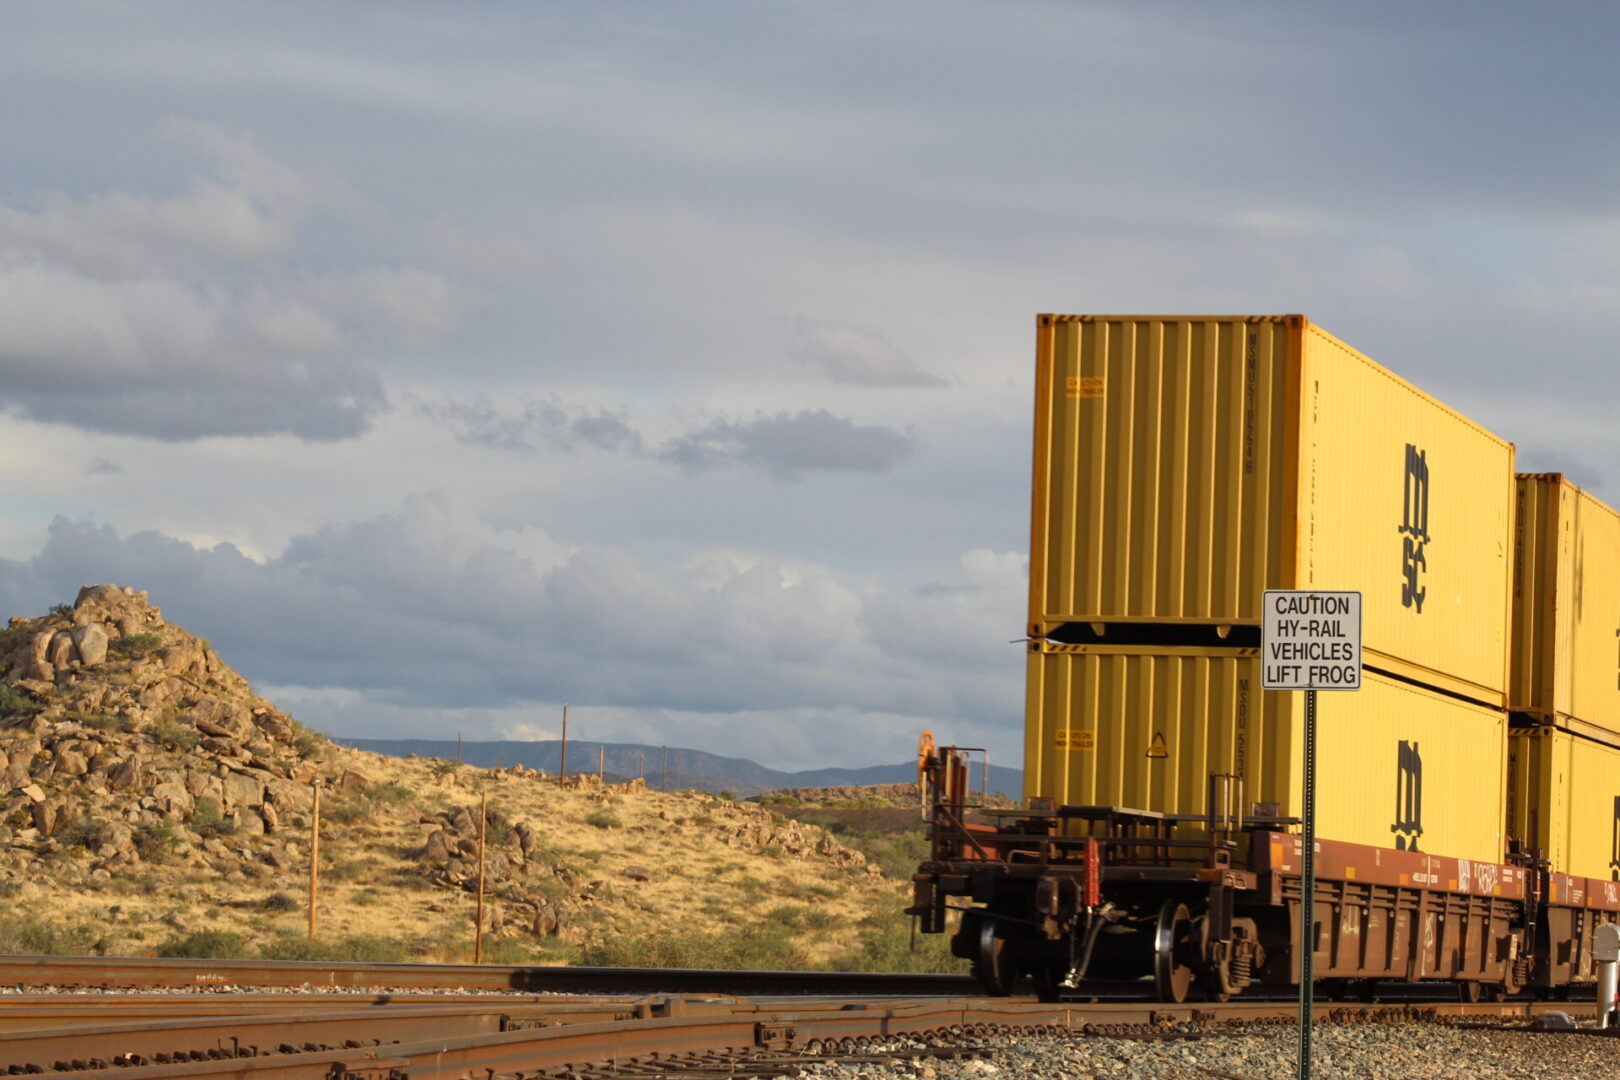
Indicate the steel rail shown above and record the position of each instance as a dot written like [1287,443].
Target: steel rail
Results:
[143,971]
[708,1027]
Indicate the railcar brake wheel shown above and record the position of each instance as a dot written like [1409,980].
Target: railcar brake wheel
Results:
[994,965]
[1172,976]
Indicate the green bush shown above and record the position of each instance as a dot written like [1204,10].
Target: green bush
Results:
[175,735]
[887,945]
[764,948]
[155,841]
[205,945]
[604,819]
[134,646]
[278,901]
[15,702]
[359,948]
[389,793]
[345,811]
[61,609]
[35,937]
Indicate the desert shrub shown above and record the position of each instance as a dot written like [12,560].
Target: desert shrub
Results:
[389,793]
[61,609]
[155,841]
[604,819]
[810,890]
[887,944]
[345,869]
[895,853]
[15,702]
[278,901]
[762,948]
[345,811]
[360,948]
[134,646]
[107,722]
[36,937]
[771,851]
[801,917]
[205,945]
[207,819]
[175,735]
[364,898]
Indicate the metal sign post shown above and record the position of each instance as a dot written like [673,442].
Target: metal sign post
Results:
[1310,641]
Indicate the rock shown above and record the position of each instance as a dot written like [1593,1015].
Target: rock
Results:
[128,773]
[272,820]
[638,873]
[550,921]
[71,763]
[35,793]
[174,798]
[60,651]
[91,643]
[274,726]
[437,848]
[243,790]
[222,747]
[353,781]
[249,823]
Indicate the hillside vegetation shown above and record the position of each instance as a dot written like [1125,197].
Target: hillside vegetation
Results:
[154,804]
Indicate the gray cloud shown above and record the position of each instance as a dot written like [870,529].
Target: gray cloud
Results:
[172,318]
[847,354]
[787,444]
[425,608]
[538,424]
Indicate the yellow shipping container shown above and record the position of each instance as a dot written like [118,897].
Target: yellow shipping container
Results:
[1185,464]
[1566,610]
[1564,800]
[1144,728]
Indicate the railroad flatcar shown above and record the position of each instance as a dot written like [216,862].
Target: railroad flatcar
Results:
[1182,466]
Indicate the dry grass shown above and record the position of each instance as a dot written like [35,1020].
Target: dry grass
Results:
[710,897]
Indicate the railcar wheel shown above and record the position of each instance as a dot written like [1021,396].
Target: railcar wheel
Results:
[1469,991]
[1172,975]
[994,965]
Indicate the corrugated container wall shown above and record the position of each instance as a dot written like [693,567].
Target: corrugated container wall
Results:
[1185,464]
[1566,614]
[1564,800]
[1144,728]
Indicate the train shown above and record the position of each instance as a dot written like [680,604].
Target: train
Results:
[1468,794]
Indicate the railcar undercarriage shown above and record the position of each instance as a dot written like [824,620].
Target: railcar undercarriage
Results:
[1053,898]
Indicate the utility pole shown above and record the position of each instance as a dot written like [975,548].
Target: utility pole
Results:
[314,851]
[641,764]
[601,762]
[562,773]
[483,824]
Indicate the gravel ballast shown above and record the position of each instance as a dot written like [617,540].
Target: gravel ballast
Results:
[1407,1051]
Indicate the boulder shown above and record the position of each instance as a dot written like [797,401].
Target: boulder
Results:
[91,643]
[71,763]
[127,774]
[174,798]
[437,849]
[353,781]
[60,651]
[243,790]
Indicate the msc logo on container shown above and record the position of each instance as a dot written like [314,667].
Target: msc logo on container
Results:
[1408,797]
[1415,528]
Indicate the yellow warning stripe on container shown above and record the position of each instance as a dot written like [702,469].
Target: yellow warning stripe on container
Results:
[1074,738]
[1083,386]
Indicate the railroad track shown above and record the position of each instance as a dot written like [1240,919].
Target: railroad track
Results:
[344,1036]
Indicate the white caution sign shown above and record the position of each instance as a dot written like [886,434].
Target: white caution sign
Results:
[1310,640]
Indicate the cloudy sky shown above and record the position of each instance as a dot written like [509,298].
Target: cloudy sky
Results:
[445,363]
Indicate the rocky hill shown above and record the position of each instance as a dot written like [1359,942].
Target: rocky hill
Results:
[153,802]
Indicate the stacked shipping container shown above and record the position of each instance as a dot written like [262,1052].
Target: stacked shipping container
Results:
[1564,790]
[1183,466]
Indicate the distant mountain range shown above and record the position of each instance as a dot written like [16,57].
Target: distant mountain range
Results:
[688,769]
